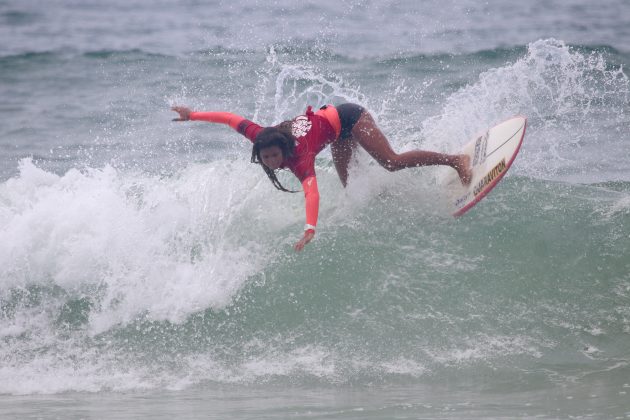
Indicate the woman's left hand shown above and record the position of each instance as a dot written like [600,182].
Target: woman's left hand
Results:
[184,113]
[308,236]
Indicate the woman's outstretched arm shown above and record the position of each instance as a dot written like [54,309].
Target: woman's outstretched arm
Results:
[243,126]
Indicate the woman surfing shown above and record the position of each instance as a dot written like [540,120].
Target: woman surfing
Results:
[294,144]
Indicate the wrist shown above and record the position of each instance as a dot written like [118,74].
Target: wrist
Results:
[309,229]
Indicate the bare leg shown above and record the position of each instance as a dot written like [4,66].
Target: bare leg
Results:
[342,151]
[368,135]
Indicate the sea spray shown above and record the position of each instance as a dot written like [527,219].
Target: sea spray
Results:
[144,246]
[565,93]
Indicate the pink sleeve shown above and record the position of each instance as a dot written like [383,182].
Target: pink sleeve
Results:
[245,127]
[311,196]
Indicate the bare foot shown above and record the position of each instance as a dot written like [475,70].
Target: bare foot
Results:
[463,169]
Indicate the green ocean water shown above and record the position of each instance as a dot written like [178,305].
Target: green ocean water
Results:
[147,270]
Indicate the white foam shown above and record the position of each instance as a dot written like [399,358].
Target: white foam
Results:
[404,366]
[136,245]
[485,347]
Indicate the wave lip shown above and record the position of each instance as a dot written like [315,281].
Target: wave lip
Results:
[566,93]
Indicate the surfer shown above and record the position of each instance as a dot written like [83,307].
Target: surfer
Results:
[294,144]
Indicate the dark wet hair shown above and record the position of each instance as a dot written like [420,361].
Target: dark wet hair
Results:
[280,136]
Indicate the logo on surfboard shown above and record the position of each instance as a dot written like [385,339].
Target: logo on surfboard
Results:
[490,176]
[459,203]
[480,149]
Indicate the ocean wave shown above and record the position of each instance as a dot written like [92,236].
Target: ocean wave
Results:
[139,281]
[124,279]
[314,52]
[501,53]
[39,57]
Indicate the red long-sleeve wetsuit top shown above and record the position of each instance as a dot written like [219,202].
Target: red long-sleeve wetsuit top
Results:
[313,131]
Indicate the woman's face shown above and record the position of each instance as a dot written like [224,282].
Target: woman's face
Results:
[271,157]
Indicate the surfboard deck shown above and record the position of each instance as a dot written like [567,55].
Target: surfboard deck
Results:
[491,155]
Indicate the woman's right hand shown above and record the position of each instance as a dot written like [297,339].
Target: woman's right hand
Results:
[184,113]
[308,237]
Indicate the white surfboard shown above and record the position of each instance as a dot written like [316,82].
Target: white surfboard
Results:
[491,155]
